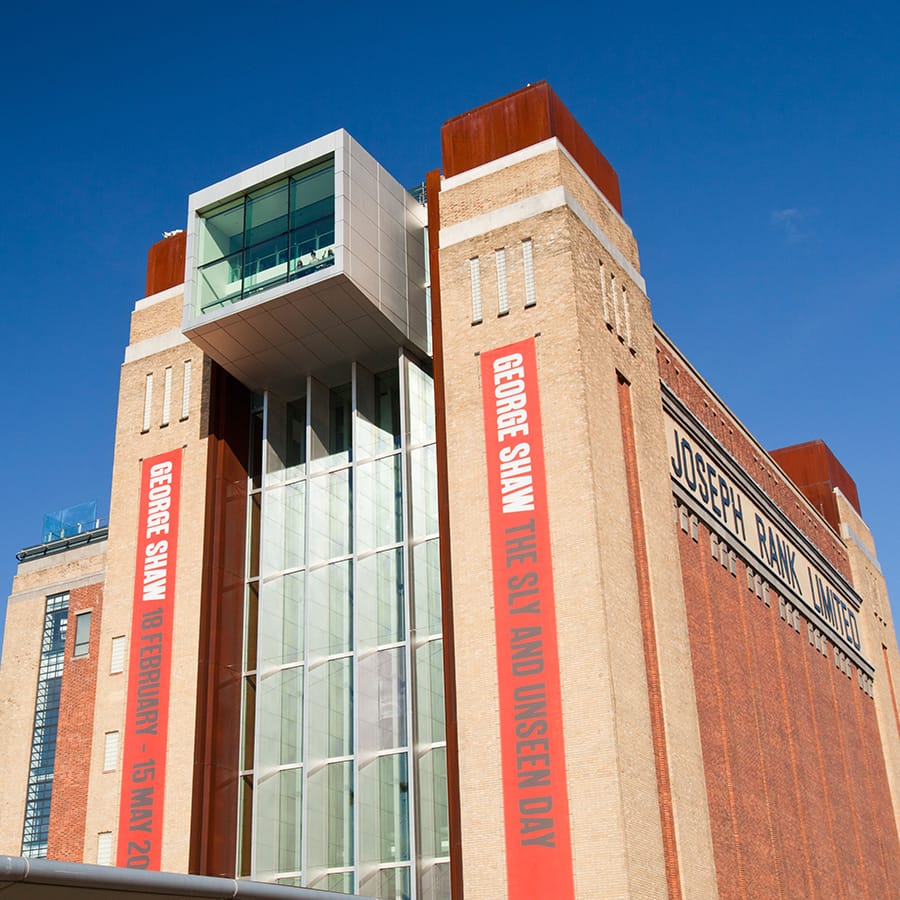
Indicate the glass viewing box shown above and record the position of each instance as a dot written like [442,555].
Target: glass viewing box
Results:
[267,237]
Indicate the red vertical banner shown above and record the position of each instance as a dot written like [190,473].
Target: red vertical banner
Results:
[535,792]
[150,666]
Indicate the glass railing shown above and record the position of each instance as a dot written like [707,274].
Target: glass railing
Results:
[243,274]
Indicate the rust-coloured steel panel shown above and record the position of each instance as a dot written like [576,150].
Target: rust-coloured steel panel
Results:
[518,120]
[433,185]
[816,472]
[165,263]
[217,752]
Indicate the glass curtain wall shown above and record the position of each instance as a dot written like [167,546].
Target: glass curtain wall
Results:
[272,235]
[344,769]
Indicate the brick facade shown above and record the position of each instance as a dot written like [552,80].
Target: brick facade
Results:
[76,722]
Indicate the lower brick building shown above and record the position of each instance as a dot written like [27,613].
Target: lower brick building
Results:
[435,569]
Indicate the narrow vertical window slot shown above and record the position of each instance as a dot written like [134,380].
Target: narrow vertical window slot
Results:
[604,295]
[475,279]
[502,290]
[626,311]
[617,316]
[186,391]
[167,396]
[528,265]
[110,751]
[148,401]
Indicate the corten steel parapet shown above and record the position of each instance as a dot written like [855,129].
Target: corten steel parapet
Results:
[519,120]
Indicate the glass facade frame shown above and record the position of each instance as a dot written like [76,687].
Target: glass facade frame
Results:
[266,237]
[352,686]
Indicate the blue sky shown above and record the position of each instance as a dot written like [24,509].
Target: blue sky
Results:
[757,151]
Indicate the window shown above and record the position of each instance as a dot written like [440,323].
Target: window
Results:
[528,265]
[272,235]
[475,282]
[148,401]
[117,663]
[46,716]
[82,634]
[186,391]
[110,751]
[104,848]
[167,396]
[502,289]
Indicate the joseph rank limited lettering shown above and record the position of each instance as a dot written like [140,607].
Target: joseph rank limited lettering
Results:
[511,418]
[700,475]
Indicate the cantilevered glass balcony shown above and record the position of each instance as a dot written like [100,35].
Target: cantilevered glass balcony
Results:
[303,262]
[266,237]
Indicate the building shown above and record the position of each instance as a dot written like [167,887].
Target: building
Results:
[435,569]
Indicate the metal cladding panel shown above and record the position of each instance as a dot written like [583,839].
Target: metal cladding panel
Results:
[165,263]
[518,120]
[817,472]
[363,304]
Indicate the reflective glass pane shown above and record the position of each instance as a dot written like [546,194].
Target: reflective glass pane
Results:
[435,883]
[341,882]
[427,587]
[330,610]
[285,439]
[281,623]
[330,817]
[330,429]
[220,282]
[434,820]
[266,214]
[221,231]
[312,211]
[278,818]
[380,614]
[253,537]
[265,264]
[280,718]
[423,475]
[421,404]
[382,701]
[251,627]
[387,884]
[430,692]
[378,412]
[331,709]
[256,445]
[384,810]
[329,518]
[284,510]
[245,825]
[379,503]
[247,750]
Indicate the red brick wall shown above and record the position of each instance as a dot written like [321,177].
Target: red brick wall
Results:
[722,425]
[797,789]
[71,772]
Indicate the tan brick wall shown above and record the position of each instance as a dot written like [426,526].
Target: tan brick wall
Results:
[132,446]
[879,639]
[528,178]
[609,750]
[157,318]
